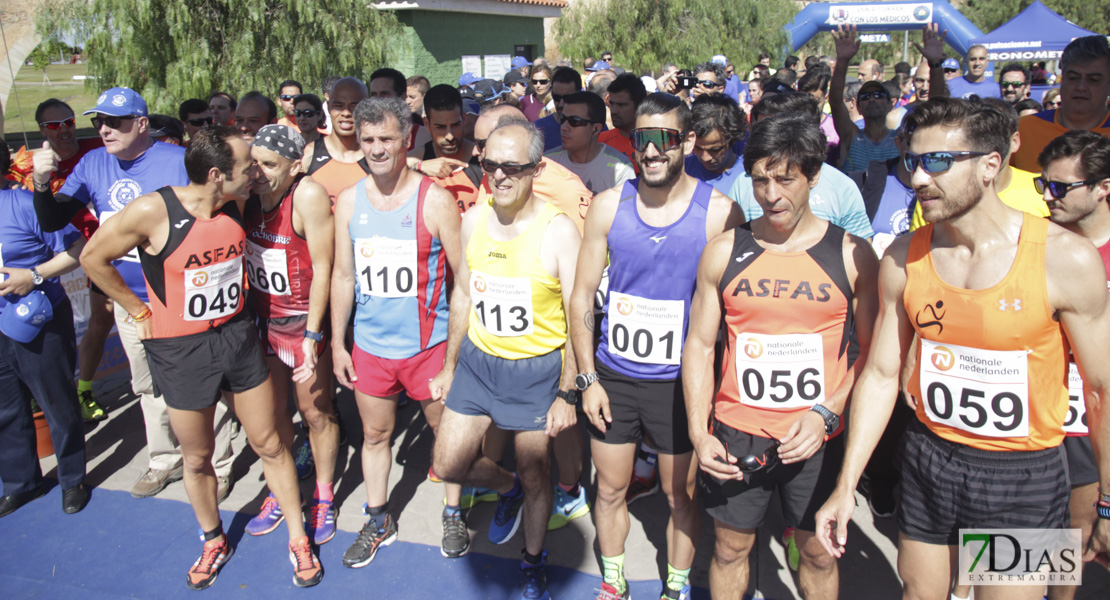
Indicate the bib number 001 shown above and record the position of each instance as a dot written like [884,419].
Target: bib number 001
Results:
[644,330]
[983,392]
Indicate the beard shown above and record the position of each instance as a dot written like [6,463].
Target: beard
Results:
[674,169]
[954,205]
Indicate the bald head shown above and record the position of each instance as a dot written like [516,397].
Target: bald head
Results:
[345,96]
[921,82]
[870,70]
[487,122]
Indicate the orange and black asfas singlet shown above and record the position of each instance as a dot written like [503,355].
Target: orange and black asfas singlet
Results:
[334,175]
[788,317]
[991,369]
[196,282]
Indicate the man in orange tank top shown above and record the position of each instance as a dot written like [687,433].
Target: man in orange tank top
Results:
[1075,181]
[335,160]
[200,344]
[789,287]
[991,293]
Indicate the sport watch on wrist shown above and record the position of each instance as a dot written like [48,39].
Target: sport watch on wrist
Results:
[314,336]
[35,277]
[936,65]
[584,380]
[568,396]
[832,420]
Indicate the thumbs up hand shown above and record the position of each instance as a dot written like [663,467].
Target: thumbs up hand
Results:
[45,161]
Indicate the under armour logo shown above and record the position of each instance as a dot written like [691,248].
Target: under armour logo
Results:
[1016,304]
[744,257]
[181,224]
[658,239]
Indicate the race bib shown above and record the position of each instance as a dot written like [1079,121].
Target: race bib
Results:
[386,267]
[214,291]
[780,371]
[267,269]
[984,392]
[1076,420]
[133,254]
[503,305]
[645,331]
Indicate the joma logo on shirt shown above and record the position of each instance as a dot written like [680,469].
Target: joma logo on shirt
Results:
[781,287]
[214,256]
[497,255]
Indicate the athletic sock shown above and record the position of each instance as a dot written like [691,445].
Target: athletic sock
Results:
[375,511]
[533,559]
[676,578]
[572,490]
[83,386]
[516,491]
[324,492]
[612,571]
[215,533]
[452,511]
[646,457]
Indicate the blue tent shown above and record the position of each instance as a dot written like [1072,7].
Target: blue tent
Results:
[1036,34]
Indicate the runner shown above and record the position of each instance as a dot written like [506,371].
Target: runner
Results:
[129,165]
[448,151]
[1075,158]
[290,242]
[394,262]
[200,344]
[335,161]
[665,218]
[788,279]
[953,283]
[516,366]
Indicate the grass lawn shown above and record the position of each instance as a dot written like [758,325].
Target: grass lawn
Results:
[20,116]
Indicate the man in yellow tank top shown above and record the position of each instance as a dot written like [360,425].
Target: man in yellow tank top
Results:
[515,368]
[988,290]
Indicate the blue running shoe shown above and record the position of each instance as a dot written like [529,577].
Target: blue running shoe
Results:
[302,458]
[506,518]
[566,508]
[471,496]
[268,518]
[533,580]
[321,521]
[669,594]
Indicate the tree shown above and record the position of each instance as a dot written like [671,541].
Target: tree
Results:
[987,15]
[644,35]
[171,50]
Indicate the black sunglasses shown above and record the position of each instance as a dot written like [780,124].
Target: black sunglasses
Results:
[287,97]
[662,138]
[305,113]
[557,98]
[541,81]
[574,121]
[56,125]
[1011,84]
[935,162]
[751,463]
[876,95]
[111,122]
[507,168]
[199,121]
[1058,189]
[708,84]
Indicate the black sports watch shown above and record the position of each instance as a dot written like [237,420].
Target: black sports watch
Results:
[568,396]
[936,65]
[584,380]
[832,420]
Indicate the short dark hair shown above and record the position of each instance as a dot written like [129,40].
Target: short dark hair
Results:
[210,148]
[789,137]
[902,67]
[815,79]
[1084,50]
[776,104]
[192,106]
[312,99]
[631,84]
[291,83]
[1028,104]
[1007,110]
[1015,68]
[567,75]
[763,55]
[271,108]
[711,67]
[893,89]
[443,97]
[167,126]
[851,90]
[328,83]
[787,76]
[661,103]
[230,99]
[761,70]
[400,84]
[812,61]
[1092,149]
[718,112]
[595,106]
[791,62]
[419,82]
[984,127]
[52,102]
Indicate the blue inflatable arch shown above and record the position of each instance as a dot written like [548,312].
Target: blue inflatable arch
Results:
[884,16]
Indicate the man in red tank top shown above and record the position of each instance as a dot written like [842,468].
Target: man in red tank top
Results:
[289,249]
[1075,180]
[200,345]
[989,291]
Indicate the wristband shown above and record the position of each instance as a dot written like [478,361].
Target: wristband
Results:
[314,336]
[1103,509]
[417,166]
[139,318]
[1103,497]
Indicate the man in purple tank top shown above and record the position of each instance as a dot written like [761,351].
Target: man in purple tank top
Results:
[651,231]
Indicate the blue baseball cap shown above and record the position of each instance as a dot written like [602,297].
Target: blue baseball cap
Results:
[719,59]
[120,102]
[950,63]
[520,61]
[468,78]
[599,66]
[23,319]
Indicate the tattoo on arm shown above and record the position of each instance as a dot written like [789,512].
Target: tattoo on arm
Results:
[589,319]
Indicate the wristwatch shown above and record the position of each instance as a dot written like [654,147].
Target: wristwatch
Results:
[35,277]
[568,396]
[314,336]
[937,64]
[584,380]
[832,420]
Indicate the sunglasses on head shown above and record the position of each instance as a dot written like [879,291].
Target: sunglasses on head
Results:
[305,113]
[56,125]
[707,83]
[935,162]
[111,122]
[287,97]
[751,463]
[1058,189]
[199,121]
[507,168]
[541,81]
[664,139]
[1011,84]
[876,95]
[573,121]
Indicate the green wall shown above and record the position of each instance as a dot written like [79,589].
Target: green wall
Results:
[435,40]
